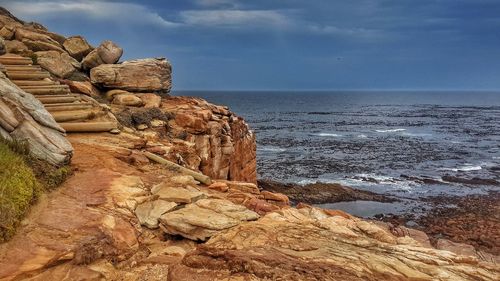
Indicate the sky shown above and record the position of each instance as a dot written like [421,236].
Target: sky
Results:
[292,44]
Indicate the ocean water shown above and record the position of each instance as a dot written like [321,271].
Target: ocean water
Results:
[375,141]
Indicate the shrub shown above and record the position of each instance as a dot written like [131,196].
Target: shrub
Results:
[18,188]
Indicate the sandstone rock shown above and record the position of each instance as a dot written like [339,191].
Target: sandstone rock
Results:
[219,186]
[149,212]
[110,95]
[307,245]
[177,194]
[60,65]
[245,187]
[224,146]
[144,75]
[108,52]
[150,100]
[16,47]
[37,41]
[22,117]
[77,47]
[206,217]
[83,87]
[457,248]
[275,197]
[3,49]
[127,99]
[7,32]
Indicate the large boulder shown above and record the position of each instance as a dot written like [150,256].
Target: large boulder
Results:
[144,75]
[37,41]
[108,52]
[16,47]
[59,64]
[77,47]
[24,118]
[7,32]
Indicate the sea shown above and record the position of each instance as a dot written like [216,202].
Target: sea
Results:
[396,143]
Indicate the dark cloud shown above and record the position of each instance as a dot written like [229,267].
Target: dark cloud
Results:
[271,44]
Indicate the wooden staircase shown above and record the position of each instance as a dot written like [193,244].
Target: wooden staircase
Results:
[74,112]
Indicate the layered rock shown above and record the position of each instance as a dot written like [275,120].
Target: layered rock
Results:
[23,118]
[37,41]
[224,145]
[108,52]
[59,64]
[309,244]
[77,47]
[144,75]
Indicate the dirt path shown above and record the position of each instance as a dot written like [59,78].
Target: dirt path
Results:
[88,210]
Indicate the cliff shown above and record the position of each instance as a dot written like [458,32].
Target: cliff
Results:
[122,216]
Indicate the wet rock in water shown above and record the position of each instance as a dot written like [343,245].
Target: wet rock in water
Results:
[177,194]
[319,193]
[472,181]
[204,218]
[77,47]
[108,52]
[144,75]
[149,212]
[424,180]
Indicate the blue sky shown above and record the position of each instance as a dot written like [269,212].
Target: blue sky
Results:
[308,44]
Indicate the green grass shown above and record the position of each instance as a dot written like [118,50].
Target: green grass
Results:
[18,189]
[22,179]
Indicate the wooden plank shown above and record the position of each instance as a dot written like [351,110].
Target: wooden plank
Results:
[178,168]
[88,127]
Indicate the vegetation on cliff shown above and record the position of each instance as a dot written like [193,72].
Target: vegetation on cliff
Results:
[22,179]
[18,187]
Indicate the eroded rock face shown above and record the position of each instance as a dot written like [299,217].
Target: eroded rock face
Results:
[205,217]
[308,244]
[58,64]
[77,47]
[144,75]
[37,41]
[224,144]
[107,52]
[22,117]
[16,47]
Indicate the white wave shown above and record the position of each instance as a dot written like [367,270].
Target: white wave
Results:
[390,130]
[416,134]
[271,149]
[327,135]
[463,168]
[496,157]
[362,136]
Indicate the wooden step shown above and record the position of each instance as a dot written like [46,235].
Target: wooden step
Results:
[64,99]
[88,127]
[15,61]
[67,107]
[74,115]
[48,91]
[45,87]
[34,82]
[27,76]
[22,67]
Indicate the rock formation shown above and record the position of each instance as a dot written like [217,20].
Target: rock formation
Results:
[24,118]
[145,75]
[108,52]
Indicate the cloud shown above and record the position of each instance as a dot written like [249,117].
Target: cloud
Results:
[97,10]
[355,32]
[234,18]
[210,3]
